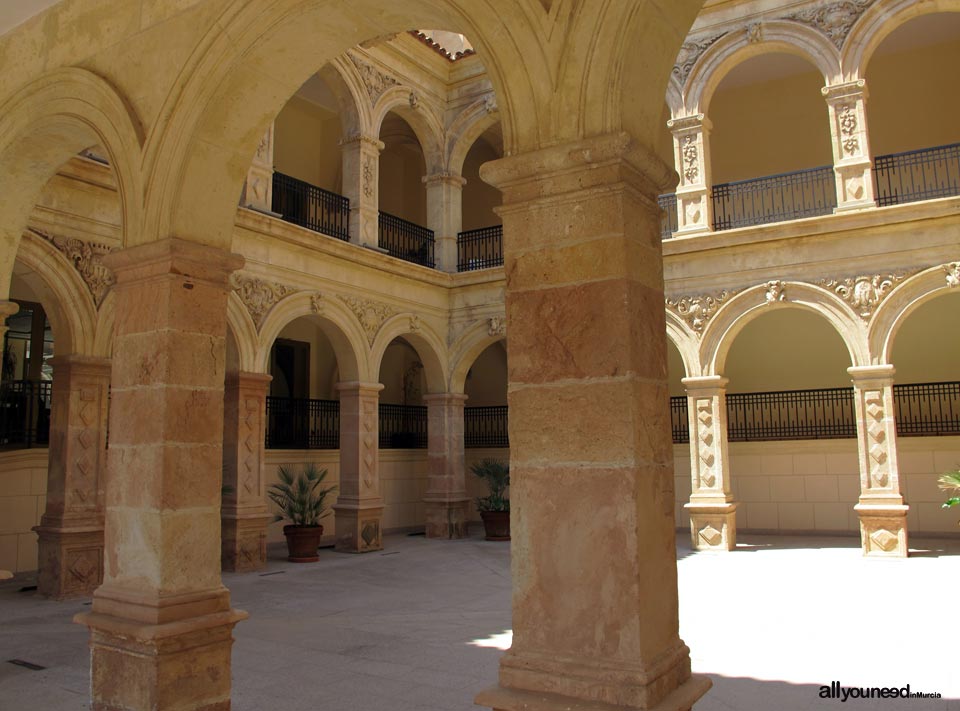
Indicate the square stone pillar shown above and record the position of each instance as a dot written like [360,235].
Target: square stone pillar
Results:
[846,104]
[71,529]
[713,520]
[359,506]
[161,624]
[258,188]
[591,457]
[691,153]
[243,514]
[883,515]
[445,216]
[361,185]
[446,497]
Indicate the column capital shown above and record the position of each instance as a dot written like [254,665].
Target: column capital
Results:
[7,309]
[856,89]
[688,124]
[363,140]
[190,260]
[246,379]
[445,398]
[87,365]
[359,387]
[702,383]
[444,177]
[867,375]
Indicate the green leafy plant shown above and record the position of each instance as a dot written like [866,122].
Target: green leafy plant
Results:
[497,476]
[950,482]
[301,498]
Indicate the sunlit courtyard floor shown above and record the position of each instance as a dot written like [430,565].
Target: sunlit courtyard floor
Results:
[420,627]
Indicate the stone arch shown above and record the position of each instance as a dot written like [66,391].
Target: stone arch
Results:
[466,129]
[903,301]
[732,49]
[47,122]
[467,349]
[103,343]
[674,97]
[338,323]
[347,87]
[730,319]
[425,341]
[244,333]
[876,23]
[686,342]
[425,124]
[68,303]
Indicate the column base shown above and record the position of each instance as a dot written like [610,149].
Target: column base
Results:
[182,665]
[713,527]
[70,561]
[243,542]
[447,518]
[358,528]
[854,206]
[883,530]
[499,699]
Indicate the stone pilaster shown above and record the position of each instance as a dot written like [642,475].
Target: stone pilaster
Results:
[359,506]
[161,624]
[713,521]
[446,496]
[846,104]
[258,188]
[445,216]
[883,515]
[592,501]
[691,153]
[70,534]
[361,185]
[243,514]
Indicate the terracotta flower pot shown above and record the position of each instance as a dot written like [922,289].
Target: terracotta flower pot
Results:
[302,543]
[496,524]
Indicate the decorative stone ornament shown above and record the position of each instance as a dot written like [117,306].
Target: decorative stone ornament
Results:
[864,293]
[86,258]
[697,311]
[834,19]
[692,156]
[259,295]
[852,165]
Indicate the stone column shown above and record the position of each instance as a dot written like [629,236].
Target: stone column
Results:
[70,534]
[851,146]
[446,497]
[883,515]
[7,309]
[591,458]
[161,624]
[359,506]
[691,153]
[713,521]
[445,216]
[361,185]
[243,514]
[258,188]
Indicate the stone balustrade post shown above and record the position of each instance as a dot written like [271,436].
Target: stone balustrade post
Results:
[359,507]
[446,495]
[361,185]
[258,187]
[595,611]
[691,148]
[161,625]
[445,216]
[244,515]
[882,512]
[713,521]
[846,104]
[70,534]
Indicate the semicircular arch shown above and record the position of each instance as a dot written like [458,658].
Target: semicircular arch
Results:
[424,340]
[466,350]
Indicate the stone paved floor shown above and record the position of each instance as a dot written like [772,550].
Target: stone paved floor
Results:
[418,628]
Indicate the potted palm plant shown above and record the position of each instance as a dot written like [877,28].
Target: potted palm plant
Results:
[951,482]
[495,508]
[301,500]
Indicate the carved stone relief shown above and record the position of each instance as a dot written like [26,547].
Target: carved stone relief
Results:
[690,52]
[834,19]
[368,176]
[775,291]
[497,325]
[259,296]
[864,293]
[375,81]
[369,442]
[86,259]
[371,314]
[691,159]
[847,118]
[317,304]
[884,539]
[952,270]
[698,310]
[876,438]
[705,442]
[251,445]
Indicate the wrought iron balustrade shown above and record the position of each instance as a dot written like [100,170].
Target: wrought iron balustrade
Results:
[307,205]
[911,176]
[25,413]
[403,426]
[406,240]
[774,198]
[300,423]
[679,422]
[485,427]
[480,249]
[668,215]
[927,409]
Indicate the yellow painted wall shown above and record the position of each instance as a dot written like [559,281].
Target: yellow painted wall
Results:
[927,347]
[479,199]
[306,144]
[402,167]
[486,383]
[768,128]
[323,361]
[398,360]
[23,488]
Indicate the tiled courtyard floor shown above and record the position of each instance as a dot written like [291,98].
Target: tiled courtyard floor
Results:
[418,627]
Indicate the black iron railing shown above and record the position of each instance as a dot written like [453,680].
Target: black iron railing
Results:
[299,423]
[25,413]
[480,249]
[403,426]
[679,423]
[774,198]
[791,414]
[406,240]
[668,215]
[927,409]
[485,427]
[309,206]
[917,175]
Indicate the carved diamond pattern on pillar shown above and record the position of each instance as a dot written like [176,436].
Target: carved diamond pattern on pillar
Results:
[884,539]
[707,456]
[83,566]
[710,535]
[368,421]
[87,413]
[251,410]
[877,434]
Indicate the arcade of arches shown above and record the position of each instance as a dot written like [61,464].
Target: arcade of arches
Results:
[242,235]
